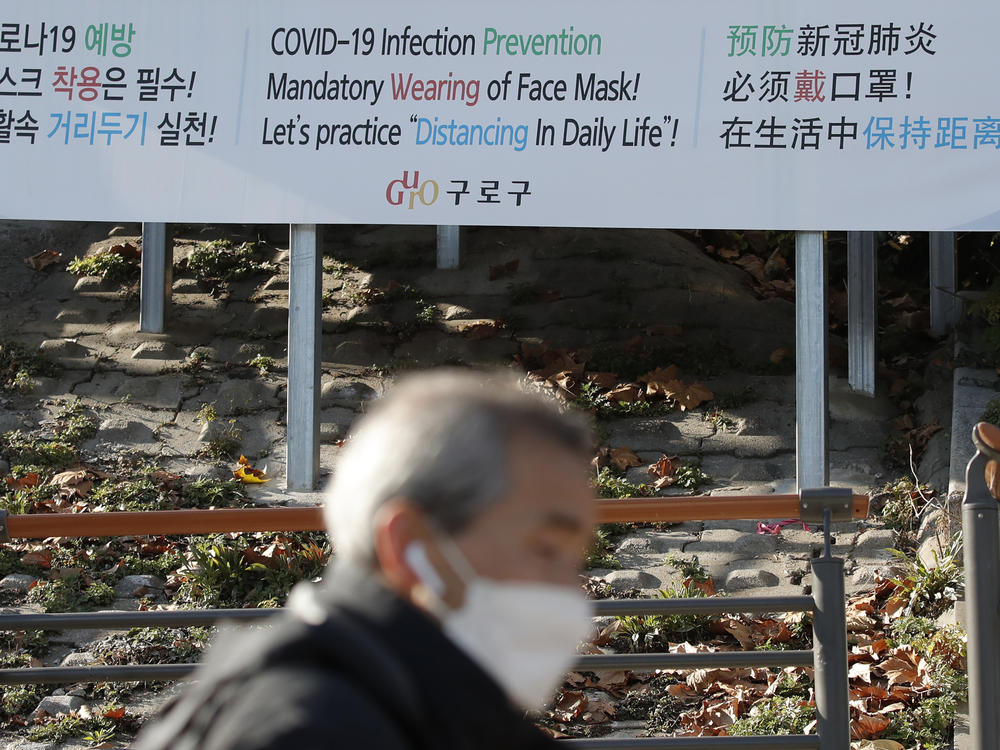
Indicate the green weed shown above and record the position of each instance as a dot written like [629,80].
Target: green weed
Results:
[931,589]
[903,503]
[72,725]
[19,700]
[600,553]
[18,367]
[610,485]
[655,632]
[70,594]
[108,265]
[690,476]
[263,364]
[775,715]
[225,260]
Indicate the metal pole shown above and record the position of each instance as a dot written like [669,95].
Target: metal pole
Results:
[448,246]
[830,649]
[305,310]
[945,309]
[811,380]
[157,272]
[982,595]
[862,282]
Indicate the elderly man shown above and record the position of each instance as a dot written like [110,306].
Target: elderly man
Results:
[460,513]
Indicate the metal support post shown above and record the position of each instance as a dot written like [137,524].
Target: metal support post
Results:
[982,594]
[157,278]
[830,648]
[305,328]
[448,246]
[945,308]
[862,282]
[811,377]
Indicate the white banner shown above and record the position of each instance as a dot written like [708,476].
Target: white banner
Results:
[651,113]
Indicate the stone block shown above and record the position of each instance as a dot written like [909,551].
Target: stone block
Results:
[158,350]
[631,579]
[139,586]
[19,583]
[59,704]
[742,579]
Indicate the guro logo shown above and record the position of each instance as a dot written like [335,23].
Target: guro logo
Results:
[426,192]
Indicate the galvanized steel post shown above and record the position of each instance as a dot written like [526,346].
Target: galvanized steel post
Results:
[811,386]
[830,649]
[982,598]
[156,280]
[945,309]
[449,246]
[305,328]
[862,282]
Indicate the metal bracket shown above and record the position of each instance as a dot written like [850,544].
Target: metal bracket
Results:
[814,503]
[4,531]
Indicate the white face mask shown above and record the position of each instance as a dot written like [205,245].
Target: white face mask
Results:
[522,634]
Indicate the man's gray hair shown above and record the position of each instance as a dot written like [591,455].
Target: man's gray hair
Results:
[438,439]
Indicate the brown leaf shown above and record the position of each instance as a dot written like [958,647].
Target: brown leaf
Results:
[655,380]
[664,466]
[25,482]
[602,380]
[125,250]
[41,261]
[43,559]
[624,458]
[480,330]
[688,397]
[740,631]
[866,726]
[570,705]
[860,671]
[626,393]
[566,384]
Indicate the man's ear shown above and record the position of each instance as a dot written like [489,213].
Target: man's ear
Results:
[397,524]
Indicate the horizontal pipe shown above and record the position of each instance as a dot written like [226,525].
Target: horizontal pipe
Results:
[708,508]
[201,617]
[709,605]
[779,742]
[149,522]
[125,620]
[310,518]
[612,662]
[704,660]
[67,675]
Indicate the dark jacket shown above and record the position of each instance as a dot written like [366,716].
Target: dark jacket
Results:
[363,669]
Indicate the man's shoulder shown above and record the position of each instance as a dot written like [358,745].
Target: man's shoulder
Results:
[304,708]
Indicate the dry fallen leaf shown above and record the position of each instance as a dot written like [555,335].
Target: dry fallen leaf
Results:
[624,458]
[602,380]
[41,261]
[688,396]
[249,475]
[625,393]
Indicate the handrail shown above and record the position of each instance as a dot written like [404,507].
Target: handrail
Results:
[175,618]
[828,658]
[310,518]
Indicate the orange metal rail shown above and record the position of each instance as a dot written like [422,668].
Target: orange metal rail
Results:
[625,510]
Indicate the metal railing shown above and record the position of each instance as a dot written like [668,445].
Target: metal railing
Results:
[981,557]
[828,657]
